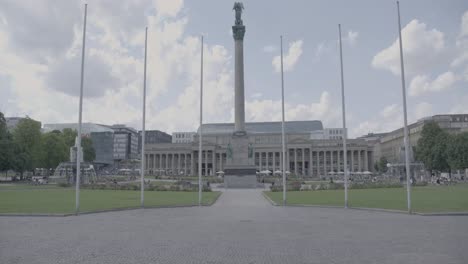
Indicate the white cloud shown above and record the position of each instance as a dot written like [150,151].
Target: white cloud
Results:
[269,48]
[269,110]
[421,84]
[423,48]
[464,25]
[113,66]
[290,58]
[391,118]
[169,8]
[352,37]
[320,50]
[461,60]
[256,95]
[460,106]
[390,111]
[422,110]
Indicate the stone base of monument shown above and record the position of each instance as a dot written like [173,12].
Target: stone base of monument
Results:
[240,177]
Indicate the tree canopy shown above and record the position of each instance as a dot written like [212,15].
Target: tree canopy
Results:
[26,148]
[441,151]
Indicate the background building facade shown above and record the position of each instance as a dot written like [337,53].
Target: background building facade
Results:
[183,137]
[305,157]
[154,137]
[125,142]
[391,145]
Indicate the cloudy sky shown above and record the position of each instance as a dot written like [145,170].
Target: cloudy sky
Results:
[40,53]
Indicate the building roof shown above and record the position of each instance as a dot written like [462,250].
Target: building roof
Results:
[265,127]
[86,128]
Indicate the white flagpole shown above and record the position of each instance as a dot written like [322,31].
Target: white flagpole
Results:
[142,198]
[406,139]
[78,148]
[345,160]
[200,186]
[283,140]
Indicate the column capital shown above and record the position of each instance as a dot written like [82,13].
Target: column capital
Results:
[238,32]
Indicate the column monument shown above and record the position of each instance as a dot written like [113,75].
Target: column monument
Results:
[240,171]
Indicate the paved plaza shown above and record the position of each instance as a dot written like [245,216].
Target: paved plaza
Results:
[242,227]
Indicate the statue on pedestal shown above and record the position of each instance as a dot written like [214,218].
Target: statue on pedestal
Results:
[238,6]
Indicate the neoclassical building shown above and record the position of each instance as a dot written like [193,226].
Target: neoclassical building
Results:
[304,156]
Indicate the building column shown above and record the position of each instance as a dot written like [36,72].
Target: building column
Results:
[288,161]
[332,168]
[303,162]
[185,164]
[295,161]
[159,163]
[167,163]
[310,162]
[192,164]
[366,161]
[221,167]
[318,162]
[146,162]
[214,162]
[171,160]
[259,161]
[206,162]
[359,160]
[338,160]
[274,163]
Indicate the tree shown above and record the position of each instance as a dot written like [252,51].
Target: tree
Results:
[6,146]
[457,151]
[89,154]
[3,126]
[381,165]
[431,147]
[53,149]
[69,136]
[27,139]
[439,152]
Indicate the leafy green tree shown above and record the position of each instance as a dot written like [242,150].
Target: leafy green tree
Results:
[431,147]
[3,126]
[69,136]
[381,165]
[53,149]
[6,146]
[89,154]
[457,151]
[27,139]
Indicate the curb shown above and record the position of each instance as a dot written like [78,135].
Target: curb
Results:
[368,209]
[33,215]
[443,214]
[110,210]
[269,199]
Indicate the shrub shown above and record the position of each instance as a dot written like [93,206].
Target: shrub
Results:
[63,184]
[371,185]
[422,183]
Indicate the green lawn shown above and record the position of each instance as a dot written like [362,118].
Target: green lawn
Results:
[62,200]
[424,199]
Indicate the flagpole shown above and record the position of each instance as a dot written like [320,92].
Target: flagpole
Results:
[282,125]
[142,184]
[343,108]
[200,186]
[80,111]
[406,139]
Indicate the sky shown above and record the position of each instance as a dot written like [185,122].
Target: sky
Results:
[41,42]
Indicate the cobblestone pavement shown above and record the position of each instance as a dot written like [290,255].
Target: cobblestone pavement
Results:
[242,227]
